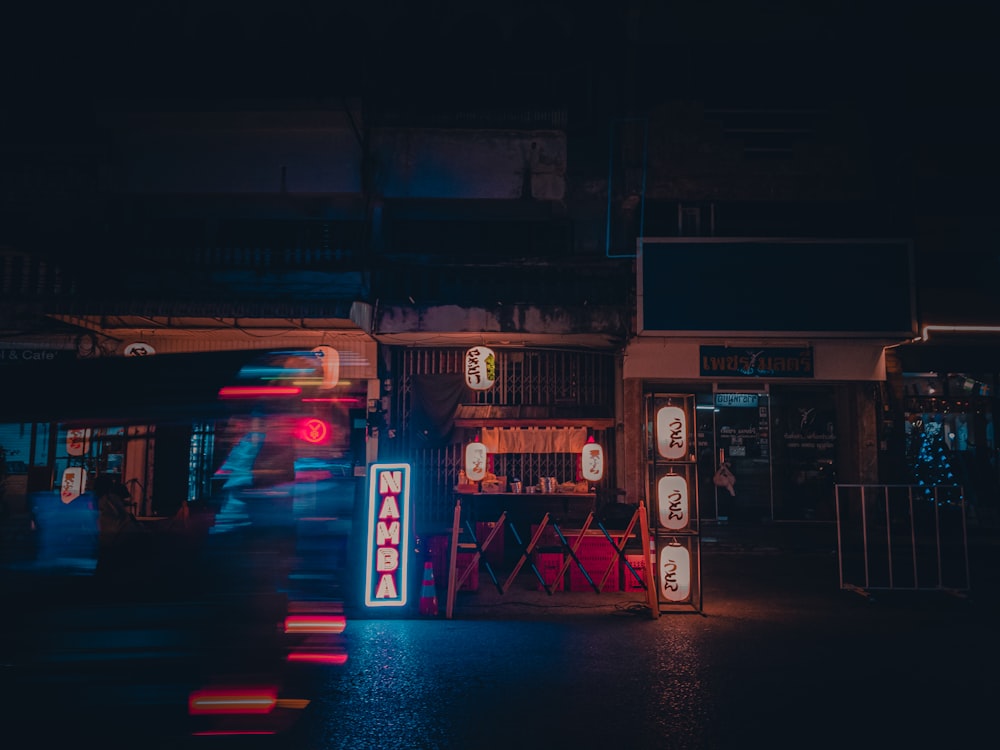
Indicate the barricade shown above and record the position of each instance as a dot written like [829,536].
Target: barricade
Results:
[902,538]
[597,555]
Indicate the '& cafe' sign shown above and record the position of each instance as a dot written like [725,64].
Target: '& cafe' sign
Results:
[388,535]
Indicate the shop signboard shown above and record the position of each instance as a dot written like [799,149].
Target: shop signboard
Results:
[387,557]
[756,362]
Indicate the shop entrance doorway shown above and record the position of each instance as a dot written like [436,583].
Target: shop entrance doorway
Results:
[742,445]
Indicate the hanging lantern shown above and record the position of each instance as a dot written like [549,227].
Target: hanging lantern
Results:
[592,461]
[475,461]
[675,572]
[672,502]
[480,368]
[74,483]
[77,441]
[671,432]
[330,359]
[138,349]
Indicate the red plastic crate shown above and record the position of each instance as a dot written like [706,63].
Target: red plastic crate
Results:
[637,562]
[596,562]
[494,553]
[439,551]
[548,564]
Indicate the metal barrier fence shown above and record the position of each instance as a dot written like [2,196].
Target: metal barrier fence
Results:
[902,538]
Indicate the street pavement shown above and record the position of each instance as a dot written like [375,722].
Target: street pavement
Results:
[779,654]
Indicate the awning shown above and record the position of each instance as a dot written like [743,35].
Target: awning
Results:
[121,390]
[984,356]
[493,415]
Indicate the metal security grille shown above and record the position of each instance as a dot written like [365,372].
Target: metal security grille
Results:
[561,382]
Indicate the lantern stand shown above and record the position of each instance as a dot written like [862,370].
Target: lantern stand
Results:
[674,517]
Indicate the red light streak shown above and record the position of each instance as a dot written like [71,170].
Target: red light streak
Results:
[317,658]
[314,624]
[232,701]
[331,400]
[258,391]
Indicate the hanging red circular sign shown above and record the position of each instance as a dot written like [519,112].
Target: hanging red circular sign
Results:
[313,430]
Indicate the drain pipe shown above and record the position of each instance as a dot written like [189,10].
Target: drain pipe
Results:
[642,194]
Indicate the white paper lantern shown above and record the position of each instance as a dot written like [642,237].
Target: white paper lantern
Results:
[671,432]
[480,368]
[330,359]
[674,573]
[77,441]
[475,461]
[592,461]
[672,502]
[73,484]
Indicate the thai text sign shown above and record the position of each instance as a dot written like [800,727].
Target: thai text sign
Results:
[756,362]
[388,535]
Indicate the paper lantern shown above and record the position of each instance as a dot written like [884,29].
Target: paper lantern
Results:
[74,483]
[77,441]
[592,461]
[330,359]
[139,349]
[480,368]
[672,502]
[674,572]
[672,432]
[475,461]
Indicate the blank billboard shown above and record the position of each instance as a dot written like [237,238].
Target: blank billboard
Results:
[775,286]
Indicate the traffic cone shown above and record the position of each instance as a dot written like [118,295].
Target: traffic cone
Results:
[428,592]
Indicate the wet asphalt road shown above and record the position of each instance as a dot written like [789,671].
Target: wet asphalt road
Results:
[779,656]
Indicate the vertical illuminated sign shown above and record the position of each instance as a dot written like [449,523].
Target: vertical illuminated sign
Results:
[388,535]
[671,432]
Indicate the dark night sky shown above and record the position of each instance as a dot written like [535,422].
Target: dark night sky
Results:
[535,50]
[930,68]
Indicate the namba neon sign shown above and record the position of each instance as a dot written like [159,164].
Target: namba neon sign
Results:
[388,535]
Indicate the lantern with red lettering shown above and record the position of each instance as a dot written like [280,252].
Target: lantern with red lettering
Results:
[480,368]
[77,441]
[475,461]
[672,502]
[672,432]
[330,360]
[74,483]
[592,461]
[674,572]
